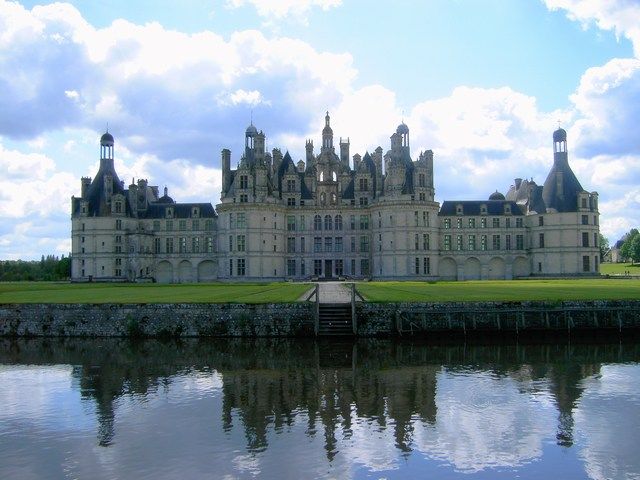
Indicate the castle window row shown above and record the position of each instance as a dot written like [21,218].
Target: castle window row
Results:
[481,242]
[483,222]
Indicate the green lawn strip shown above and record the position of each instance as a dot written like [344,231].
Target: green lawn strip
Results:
[619,268]
[542,290]
[41,292]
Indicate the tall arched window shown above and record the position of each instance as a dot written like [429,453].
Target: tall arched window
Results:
[338,222]
[323,198]
[317,223]
[328,222]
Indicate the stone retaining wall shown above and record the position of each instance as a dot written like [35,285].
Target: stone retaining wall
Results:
[298,319]
[469,317]
[187,320]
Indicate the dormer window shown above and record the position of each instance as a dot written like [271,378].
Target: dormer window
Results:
[483,209]
[507,209]
[363,184]
[118,207]
[244,181]
[168,212]
[195,212]
[458,209]
[291,185]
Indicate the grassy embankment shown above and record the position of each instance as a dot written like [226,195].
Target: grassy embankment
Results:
[504,290]
[619,268]
[52,292]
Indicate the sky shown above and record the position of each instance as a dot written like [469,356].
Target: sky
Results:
[481,83]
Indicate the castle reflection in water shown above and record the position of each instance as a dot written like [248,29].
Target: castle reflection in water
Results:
[268,384]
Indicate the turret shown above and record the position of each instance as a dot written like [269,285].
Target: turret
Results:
[309,149]
[84,185]
[327,134]
[106,150]
[561,188]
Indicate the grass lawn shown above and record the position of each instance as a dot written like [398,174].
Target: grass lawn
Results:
[53,292]
[503,290]
[619,268]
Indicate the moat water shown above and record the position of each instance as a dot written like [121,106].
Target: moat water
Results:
[112,409]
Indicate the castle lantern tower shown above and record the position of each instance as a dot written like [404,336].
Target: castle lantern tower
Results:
[327,135]
[106,149]
[403,131]
[250,137]
[561,188]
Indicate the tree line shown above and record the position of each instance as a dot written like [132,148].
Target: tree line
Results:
[631,246]
[49,268]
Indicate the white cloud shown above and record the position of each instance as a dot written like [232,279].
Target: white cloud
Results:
[620,16]
[281,9]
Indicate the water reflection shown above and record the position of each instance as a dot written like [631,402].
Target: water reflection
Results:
[372,406]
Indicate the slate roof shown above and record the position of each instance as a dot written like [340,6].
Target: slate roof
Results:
[472,207]
[180,210]
[565,199]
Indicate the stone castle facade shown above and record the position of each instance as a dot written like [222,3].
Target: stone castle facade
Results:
[332,216]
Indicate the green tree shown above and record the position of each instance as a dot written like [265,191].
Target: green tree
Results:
[626,249]
[603,244]
[634,251]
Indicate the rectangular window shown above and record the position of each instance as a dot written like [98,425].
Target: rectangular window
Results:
[328,244]
[291,223]
[416,242]
[208,225]
[195,244]
[244,198]
[183,245]
[472,242]
[595,240]
[291,185]
[353,266]
[244,181]
[241,220]
[231,267]
[416,218]
[291,267]
[459,245]
[447,223]
[585,263]
[426,265]
[507,223]
[519,242]
[363,183]
[417,265]
[447,242]
[118,224]
[241,267]
[472,223]
[209,244]
[302,245]
[364,243]
[496,223]
[507,242]
[182,225]
[541,240]
[353,244]
[364,201]
[291,202]
[425,241]
[317,244]
[364,267]
[585,219]
[168,245]
[301,226]
[483,222]
[585,239]
[540,221]
[231,243]
[339,268]
[156,225]
[352,219]
[483,242]
[169,225]
[496,242]
[518,222]
[338,244]
[421,180]
[459,222]
[303,268]
[364,222]
[156,245]
[291,244]
[195,225]
[317,268]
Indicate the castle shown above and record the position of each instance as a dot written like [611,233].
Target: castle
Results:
[332,216]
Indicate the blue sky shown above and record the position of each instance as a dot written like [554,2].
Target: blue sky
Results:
[482,83]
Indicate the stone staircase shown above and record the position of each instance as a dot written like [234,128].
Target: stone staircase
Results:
[335,319]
